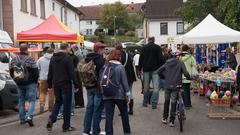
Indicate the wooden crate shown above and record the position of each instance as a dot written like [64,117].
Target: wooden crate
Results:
[223,111]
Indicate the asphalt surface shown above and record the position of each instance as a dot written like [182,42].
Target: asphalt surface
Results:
[145,121]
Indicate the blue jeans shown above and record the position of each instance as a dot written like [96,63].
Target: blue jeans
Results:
[186,94]
[26,93]
[93,112]
[122,106]
[147,77]
[161,84]
[63,96]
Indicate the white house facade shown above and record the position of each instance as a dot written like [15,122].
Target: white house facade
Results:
[88,27]
[27,14]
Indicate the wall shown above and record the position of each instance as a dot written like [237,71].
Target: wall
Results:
[25,21]
[1,15]
[153,29]
[84,26]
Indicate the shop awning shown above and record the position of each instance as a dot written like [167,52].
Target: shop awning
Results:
[51,30]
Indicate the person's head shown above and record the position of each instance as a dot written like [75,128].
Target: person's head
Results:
[228,50]
[151,39]
[185,48]
[114,55]
[49,50]
[119,47]
[23,48]
[65,47]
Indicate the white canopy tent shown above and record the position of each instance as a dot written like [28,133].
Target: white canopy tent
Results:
[88,45]
[210,30]
[4,37]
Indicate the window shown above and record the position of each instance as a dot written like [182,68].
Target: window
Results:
[180,27]
[24,5]
[89,32]
[42,8]
[53,6]
[33,7]
[89,22]
[163,28]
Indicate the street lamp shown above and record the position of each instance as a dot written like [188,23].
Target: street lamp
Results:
[114,23]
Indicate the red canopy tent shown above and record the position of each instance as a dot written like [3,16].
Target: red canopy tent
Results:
[51,30]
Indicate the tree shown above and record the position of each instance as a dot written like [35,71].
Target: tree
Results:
[111,11]
[226,11]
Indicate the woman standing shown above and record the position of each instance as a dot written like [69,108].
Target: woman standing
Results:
[115,89]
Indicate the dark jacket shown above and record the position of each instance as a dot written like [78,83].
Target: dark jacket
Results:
[119,77]
[151,58]
[30,64]
[231,61]
[99,61]
[128,67]
[172,71]
[61,70]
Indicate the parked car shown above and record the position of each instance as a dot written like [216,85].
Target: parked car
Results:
[141,42]
[126,44]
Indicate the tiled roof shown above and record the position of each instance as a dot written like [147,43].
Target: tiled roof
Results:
[161,9]
[90,12]
[134,7]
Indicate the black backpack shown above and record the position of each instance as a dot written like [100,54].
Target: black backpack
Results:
[108,86]
[20,72]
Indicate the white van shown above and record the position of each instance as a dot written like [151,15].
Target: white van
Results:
[8,88]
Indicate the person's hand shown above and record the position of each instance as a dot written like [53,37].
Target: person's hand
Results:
[128,99]
[76,90]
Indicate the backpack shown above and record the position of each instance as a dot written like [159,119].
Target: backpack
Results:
[87,73]
[107,85]
[20,72]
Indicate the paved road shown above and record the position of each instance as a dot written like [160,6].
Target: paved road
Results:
[144,122]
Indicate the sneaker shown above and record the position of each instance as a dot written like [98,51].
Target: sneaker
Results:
[60,116]
[164,121]
[49,126]
[30,122]
[72,114]
[154,107]
[171,124]
[69,129]
[144,105]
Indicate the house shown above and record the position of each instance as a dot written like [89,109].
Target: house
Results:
[21,15]
[89,19]
[92,16]
[161,22]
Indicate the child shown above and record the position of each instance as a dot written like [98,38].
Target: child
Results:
[172,71]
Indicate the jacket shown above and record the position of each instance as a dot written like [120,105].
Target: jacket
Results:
[30,64]
[43,66]
[99,61]
[189,61]
[151,58]
[172,71]
[61,70]
[128,67]
[119,78]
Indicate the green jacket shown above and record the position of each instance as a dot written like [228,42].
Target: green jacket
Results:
[189,61]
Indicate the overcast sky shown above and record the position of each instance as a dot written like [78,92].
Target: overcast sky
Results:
[78,3]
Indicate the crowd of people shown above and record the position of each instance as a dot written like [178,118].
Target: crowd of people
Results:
[108,80]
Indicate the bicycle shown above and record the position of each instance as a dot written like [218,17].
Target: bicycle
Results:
[180,111]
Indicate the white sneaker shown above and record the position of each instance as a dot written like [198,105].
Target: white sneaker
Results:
[171,124]
[164,121]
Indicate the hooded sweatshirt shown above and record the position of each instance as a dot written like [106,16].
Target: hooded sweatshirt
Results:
[189,62]
[172,70]
[61,70]
[43,66]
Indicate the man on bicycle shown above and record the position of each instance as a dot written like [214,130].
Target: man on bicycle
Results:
[172,71]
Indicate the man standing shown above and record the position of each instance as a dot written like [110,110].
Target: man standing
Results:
[151,58]
[43,66]
[60,77]
[24,71]
[231,60]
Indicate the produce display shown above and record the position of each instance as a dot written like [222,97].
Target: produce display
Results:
[226,75]
[221,98]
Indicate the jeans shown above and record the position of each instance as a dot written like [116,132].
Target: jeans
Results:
[186,94]
[26,93]
[79,100]
[173,95]
[147,76]
[93,112]
[63,96]
[43,88]
[161,84]
[72,105]
[122,106]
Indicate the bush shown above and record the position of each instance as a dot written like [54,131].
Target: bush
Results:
[121,32]
[130,33]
